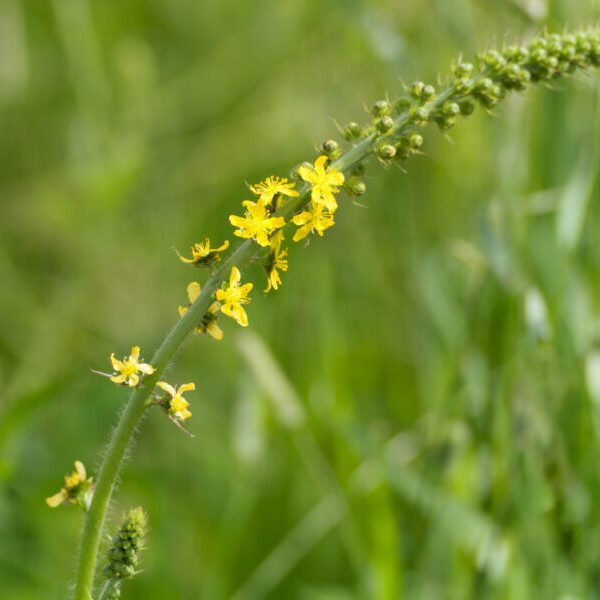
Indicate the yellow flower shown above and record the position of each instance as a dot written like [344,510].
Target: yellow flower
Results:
[257,223]
[324,181]
[129,368]
[176,403]
[315,219]
[78,489]
[233,296]
[276,260]
[209,320]
[203,255]
[271,186]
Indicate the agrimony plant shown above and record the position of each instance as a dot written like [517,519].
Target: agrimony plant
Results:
[306,202]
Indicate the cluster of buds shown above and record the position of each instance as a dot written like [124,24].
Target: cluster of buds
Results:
[123,556]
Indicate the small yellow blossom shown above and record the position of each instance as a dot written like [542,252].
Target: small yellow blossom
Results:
[315,219]
[176,403]
[203,255]
[323,181]
[277,260]
[233,296]
[208,324]
[129,368]
[78,489]
[266,190]
[257,223]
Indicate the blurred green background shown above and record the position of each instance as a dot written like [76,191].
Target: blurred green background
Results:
[414,414]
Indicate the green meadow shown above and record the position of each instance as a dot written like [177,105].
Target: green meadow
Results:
[415,413]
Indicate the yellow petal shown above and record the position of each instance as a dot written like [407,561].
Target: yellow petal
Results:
[117,364]
[234,277]
[302,218]
[135,353]
[238,221]
[182,310]
[57,499]
[186,387]
[118,378]
[224,246]
[221,295]
[214,331]
[167,387]
[214,308]
[319,164]
[134,379]
[262,239]
[245,289]
[301,233]
[239,314]
[80,470]
[193,291]
[146,368]
[307,174]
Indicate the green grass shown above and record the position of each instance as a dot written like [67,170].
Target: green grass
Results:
[413,414]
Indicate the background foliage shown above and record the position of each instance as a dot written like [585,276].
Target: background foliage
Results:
[415,413]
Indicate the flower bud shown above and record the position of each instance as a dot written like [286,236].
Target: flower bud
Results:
[493,59]
[463,70]
[330,148]
[463,85]
[416,89]
[415,141]
[402,105]
[451,109]
[420,116]
[353,131]
[380,108]
[428,92]
[466,107]
[385,151]
[355,186]
[384,125]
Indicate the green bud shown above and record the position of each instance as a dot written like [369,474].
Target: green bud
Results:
[451,109]
[493,59]
[463,85]
[463,70]
[516,54]
[466,107]
[582,43]
[380,108]
[384,125]
[484,85]
[355,186]
[420,116]
[352,131]
[416,89]
[330,148]
[402,105]
[385,151]
[428,92]
[415,141]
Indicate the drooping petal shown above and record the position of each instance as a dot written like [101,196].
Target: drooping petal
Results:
[214,331]
[163,385]
[134,379]
[118,378]
[146,368]
[57,499]
[193,291]
[239,314]
[301,233]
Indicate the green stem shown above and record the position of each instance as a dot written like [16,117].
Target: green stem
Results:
[136,405]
